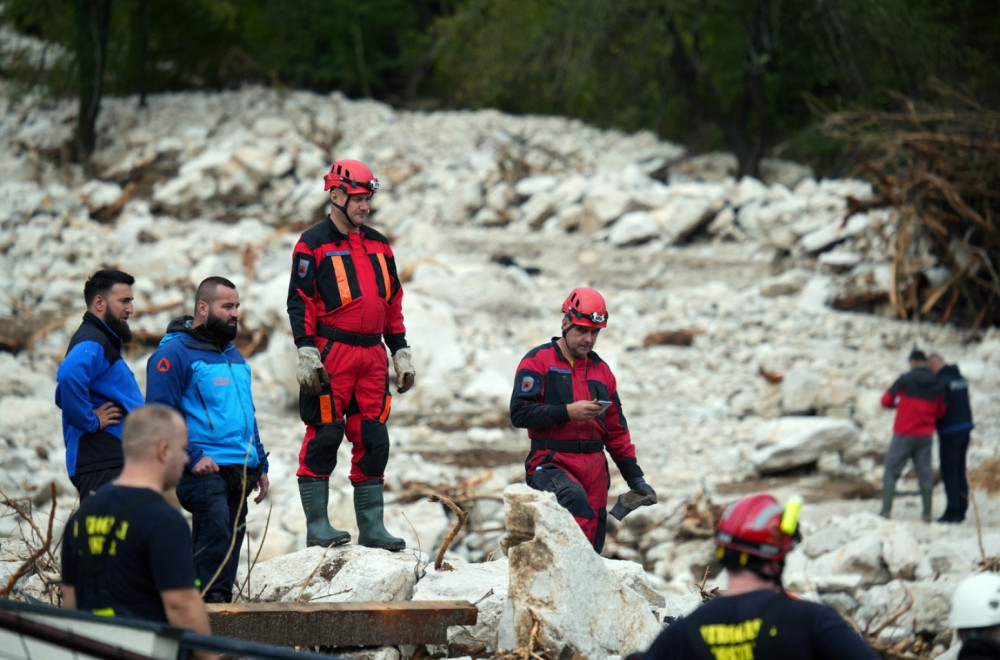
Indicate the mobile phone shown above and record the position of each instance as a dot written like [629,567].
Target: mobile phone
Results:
[604,406]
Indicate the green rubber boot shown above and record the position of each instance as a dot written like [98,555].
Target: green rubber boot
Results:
[315,495]
[927,500]
[888,494]
[368,507]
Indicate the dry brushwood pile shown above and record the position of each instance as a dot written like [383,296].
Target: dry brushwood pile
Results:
[941,169]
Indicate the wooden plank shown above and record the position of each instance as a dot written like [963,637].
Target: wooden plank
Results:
[341,624]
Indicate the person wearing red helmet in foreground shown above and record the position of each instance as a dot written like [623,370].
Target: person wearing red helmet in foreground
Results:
[556,397]
[755,619]
[344,301]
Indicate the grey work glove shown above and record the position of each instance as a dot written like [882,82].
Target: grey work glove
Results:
[405,374]
[639,486]
[311,374]
[641,494]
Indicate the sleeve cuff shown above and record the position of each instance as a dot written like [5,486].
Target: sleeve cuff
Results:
[629,469]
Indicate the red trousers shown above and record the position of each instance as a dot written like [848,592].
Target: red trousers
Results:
[359,390]
[580,482]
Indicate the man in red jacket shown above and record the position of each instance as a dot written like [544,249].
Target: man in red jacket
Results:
[918,398]
[567,398]
[345,307]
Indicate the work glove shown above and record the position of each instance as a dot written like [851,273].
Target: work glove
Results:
[311,374]
[405,374]
[641,494]
[638,485]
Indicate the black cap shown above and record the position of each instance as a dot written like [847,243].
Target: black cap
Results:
[917,355]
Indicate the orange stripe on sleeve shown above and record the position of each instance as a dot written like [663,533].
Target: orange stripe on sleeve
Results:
[342,284]
[385,276]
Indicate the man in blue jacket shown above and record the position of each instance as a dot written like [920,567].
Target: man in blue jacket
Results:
[96,388]
[198,371]
[953,438]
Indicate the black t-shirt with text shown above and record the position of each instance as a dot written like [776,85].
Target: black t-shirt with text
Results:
[735,628]
[122,548]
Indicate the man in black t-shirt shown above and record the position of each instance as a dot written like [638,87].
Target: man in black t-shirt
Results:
[126,551]
[755,619]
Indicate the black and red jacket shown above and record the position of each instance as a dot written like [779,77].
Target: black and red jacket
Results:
[918,397]
[347,282]
[546,382]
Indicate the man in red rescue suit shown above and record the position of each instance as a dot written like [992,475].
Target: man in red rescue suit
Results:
[344,299]
[556,393]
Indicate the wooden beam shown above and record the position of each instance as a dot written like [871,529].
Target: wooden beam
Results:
[341,624]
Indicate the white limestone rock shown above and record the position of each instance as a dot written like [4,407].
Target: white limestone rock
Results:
[555,573]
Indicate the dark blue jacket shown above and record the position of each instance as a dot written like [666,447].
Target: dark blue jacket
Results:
[958,414]
[210,386]
[92,374]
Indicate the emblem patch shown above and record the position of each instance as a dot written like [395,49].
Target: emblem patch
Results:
[163,365]
[303,267]
[527,383]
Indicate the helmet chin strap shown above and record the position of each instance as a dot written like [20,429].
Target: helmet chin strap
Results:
[343,211]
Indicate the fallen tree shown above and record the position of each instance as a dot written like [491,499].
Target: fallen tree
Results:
[941,169]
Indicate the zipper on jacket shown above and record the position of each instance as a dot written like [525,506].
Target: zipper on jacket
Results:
[208,417]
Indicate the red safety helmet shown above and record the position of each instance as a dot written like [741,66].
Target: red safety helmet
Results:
[586,307]
[754,526]
[351,176]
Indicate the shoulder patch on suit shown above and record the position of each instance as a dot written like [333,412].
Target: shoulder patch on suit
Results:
[527,383]
[303,267]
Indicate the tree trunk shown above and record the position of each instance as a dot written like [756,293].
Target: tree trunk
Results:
[92,20]
[143,52]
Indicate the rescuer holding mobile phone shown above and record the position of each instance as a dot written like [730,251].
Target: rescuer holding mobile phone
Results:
[558,393]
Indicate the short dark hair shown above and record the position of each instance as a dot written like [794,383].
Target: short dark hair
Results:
[917,355]
[101,282]
[206,290]
[147,425]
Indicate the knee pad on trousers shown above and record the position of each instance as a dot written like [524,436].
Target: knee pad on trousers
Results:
[570,494]
[321,452]
[375,439]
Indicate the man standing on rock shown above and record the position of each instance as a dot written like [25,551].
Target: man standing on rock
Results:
[754,617]
[200,373]
[126,551]
[918,398]
[344,300]
[96,389]
[953,438]
[567,398]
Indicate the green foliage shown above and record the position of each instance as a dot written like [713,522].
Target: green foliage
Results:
[715,73]
[742,75]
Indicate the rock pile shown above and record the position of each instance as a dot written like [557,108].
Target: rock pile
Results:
[493,220]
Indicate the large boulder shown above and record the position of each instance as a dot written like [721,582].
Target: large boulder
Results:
[557,579]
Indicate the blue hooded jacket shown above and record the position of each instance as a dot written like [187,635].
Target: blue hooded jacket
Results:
[92,374]
[210,386]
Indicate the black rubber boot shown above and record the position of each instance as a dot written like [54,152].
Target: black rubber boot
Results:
[315,495]
[368,507]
